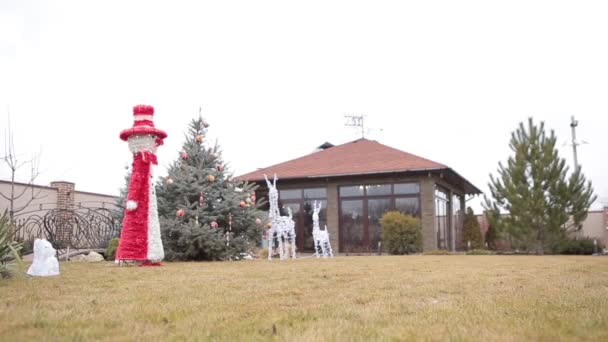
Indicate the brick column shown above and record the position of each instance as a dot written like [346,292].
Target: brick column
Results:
[333,219]
[605,227]
[64,220]
[427,202]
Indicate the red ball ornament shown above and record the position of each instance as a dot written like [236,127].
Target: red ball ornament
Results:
[220,167]
[180,213]
[214,225]
[211,178]
[258,221]
[184,155]
[243,204]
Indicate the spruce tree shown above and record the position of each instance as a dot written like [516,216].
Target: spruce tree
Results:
[471,230]
[542,202]
[204,213]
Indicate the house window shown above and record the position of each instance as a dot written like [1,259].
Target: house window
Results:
[408,205]
[290,194]
[362,207]
[458,222]
[407,188]
[351,191]
[300,201]
[442,219]
[379,189]
[315,193]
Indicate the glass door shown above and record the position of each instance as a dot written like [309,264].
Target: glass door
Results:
[297,219]
[352,228]
[375,209]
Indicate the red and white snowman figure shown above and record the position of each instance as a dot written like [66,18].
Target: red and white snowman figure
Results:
[140,237]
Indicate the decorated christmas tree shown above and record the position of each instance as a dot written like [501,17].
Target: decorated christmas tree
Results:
[204,213]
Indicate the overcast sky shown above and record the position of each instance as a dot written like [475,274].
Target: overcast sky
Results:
[446,80]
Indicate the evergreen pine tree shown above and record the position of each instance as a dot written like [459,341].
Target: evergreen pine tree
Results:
[541,201]
[491,237]
[471,230]
[204,214]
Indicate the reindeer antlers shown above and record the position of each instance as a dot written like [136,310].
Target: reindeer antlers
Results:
[274,181]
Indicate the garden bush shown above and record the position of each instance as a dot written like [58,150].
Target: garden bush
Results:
[401,234]
[111,250]
[9,249]
[480,252]
[438,252]
[583,246]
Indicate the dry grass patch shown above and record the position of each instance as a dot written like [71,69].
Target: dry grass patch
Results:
[511,298]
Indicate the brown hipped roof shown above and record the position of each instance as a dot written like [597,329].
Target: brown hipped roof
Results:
[357,157]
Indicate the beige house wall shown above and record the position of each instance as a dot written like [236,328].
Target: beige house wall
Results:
[595,226]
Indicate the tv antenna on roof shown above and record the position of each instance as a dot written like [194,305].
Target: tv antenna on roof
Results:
[355,121]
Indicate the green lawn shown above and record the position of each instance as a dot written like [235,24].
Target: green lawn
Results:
[510,298]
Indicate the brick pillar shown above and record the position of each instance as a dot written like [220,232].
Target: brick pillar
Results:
[605,226]
[427,202]
[333,218]
[64,220]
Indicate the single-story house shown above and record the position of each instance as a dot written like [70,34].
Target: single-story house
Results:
[357,183]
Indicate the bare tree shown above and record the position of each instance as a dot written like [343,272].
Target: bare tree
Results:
[28,193]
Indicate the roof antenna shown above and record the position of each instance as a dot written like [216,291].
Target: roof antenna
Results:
[355,121]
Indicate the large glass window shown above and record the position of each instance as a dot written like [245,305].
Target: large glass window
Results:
[290,194]
[407,188]
[408,205]
[315,193]
[458,221]
[301,203]
[442,219]
[351,191]
[373,200]
[375,209]
[309,243]
[379,189]
[352,224]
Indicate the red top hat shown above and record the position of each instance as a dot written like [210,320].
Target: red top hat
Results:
[144,123]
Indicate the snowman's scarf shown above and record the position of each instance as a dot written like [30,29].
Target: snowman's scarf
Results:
[134,236]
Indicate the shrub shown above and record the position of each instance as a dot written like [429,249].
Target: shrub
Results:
[27,247]
[472,230]
[263,253]
[480,252]
[438,252]
[401,234]
[583,246]
[111,250]
[491,237]
[9,249]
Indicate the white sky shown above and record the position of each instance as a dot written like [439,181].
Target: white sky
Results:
[447,80]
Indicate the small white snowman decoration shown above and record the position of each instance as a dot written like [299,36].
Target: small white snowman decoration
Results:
[45,263]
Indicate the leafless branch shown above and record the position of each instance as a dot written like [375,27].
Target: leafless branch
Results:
[11,159]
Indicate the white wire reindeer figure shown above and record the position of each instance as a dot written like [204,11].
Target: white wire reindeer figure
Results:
[282,227]
[321,237]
